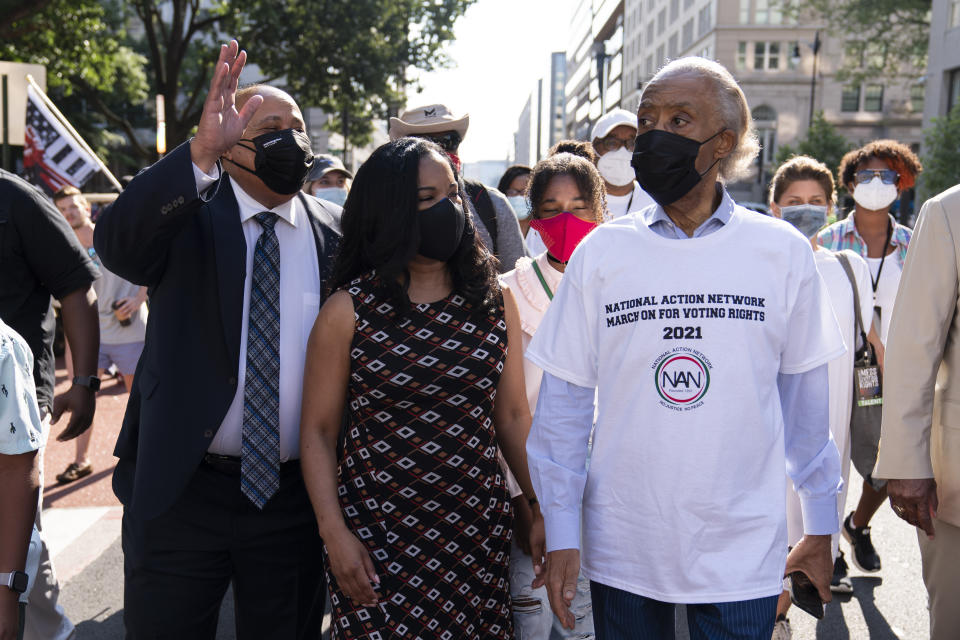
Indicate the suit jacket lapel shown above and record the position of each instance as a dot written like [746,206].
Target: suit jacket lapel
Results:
[326,227]
[230,251]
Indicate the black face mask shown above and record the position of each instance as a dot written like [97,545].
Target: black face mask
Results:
[283,159]
[441,228]
[665,164]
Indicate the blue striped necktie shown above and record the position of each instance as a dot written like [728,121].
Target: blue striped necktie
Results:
[260,455]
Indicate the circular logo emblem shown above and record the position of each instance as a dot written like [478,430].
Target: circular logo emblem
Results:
[682,379]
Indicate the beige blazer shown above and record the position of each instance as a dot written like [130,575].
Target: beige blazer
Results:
[920,435]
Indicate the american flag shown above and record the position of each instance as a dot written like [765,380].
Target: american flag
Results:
[52,157]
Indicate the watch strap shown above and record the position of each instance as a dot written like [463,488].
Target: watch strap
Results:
[90,382]
[16,581]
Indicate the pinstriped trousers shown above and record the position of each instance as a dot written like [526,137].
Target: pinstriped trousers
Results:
[621,615]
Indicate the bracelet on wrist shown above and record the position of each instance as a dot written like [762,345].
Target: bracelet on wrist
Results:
[533,502]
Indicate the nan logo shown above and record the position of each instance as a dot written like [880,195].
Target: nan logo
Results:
[682,380]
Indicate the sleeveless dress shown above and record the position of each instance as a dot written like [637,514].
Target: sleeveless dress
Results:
[419,483]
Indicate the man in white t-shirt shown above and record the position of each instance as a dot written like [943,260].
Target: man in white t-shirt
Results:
[711,376]
[613,138]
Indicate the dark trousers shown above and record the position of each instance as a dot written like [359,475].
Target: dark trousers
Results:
[177,566]
[621,615]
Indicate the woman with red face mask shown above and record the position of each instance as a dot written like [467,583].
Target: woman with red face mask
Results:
[566,198]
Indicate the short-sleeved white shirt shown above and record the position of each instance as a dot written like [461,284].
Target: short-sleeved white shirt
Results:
[684,340]
[20,426]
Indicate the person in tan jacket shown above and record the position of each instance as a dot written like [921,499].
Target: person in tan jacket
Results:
[920,438]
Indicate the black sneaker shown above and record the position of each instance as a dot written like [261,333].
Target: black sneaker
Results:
[840,583]
[864,555]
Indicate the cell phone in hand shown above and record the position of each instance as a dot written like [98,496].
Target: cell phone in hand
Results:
[804,594]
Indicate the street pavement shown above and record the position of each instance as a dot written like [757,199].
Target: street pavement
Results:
[81,523]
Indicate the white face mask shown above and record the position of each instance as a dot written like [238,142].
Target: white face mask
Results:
[875,195]
[336,195]
[615,167]
[520,207]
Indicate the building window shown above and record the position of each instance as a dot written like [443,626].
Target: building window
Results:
[916,98]
[953,89]
[650,5]
[674,10]
[661,21]
[850,99]
[672,47]
[741,56]
[873,98]
[704,21]
[744,11]
[650,33]
[766,56]
[687,34]
[767,12]
[660,58]
[954,13]
[649,66]
[689,3]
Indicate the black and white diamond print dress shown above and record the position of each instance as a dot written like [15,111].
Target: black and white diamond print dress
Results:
[419,482]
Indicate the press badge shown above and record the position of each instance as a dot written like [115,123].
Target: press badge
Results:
[866,382]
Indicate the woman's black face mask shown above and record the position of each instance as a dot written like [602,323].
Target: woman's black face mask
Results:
[441,228]
[283,159]
[665,164]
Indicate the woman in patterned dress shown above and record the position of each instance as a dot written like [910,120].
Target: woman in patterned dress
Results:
[419,350]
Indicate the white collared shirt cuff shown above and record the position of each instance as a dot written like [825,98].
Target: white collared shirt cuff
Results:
[820,516]
[563,530]
[205,180]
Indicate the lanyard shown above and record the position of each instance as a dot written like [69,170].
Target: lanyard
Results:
[543,280]
[886,247]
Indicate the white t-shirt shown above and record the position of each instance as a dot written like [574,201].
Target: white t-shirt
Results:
[619,206]
[684,339]
[839,370]
[535,245]
[886,290]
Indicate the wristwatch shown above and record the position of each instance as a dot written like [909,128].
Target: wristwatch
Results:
[15,581]
[90,382]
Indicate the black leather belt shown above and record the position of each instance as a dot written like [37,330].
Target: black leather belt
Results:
[230,465]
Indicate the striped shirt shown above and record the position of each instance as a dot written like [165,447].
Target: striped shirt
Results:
[843,234]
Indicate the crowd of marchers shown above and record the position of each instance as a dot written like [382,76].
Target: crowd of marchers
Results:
[553,409]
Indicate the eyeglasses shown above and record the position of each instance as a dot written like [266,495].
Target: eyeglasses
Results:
[888,176]
[449,141]
[612,143]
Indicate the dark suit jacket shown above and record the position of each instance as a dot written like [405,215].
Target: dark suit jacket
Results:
[191,254]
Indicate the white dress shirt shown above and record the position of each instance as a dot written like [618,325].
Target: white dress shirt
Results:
[300,294]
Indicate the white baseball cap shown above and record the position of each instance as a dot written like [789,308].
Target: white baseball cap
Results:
[613,119]
[432,118]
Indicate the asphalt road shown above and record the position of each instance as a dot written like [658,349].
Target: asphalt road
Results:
[82,521]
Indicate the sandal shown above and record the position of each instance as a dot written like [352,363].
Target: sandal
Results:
[74,471]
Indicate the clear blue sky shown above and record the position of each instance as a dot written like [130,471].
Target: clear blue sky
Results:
[502,47]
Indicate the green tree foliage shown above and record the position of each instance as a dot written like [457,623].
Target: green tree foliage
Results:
[95,78]
[350,58]
[821,142]
[941,155]
[884,38]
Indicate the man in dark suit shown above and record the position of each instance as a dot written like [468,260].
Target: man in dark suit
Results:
[208,468]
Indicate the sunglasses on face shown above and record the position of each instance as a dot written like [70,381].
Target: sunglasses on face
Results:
[612,143]
[888,176]
[449,141]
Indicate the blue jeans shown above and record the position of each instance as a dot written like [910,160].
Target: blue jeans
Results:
[621,615]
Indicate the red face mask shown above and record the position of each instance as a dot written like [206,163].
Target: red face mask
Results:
[562,233]
[455,159]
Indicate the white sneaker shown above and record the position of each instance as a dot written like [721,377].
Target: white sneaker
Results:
[781,630]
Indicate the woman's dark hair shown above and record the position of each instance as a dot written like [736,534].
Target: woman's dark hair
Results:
[511,174]
[583,173]
[898,155]
[380,229]
[576,147]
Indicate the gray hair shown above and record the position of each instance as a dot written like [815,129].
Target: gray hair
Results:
[731,106]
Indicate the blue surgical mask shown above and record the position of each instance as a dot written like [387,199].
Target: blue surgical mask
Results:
[807,218]
[336,195]
[520,207]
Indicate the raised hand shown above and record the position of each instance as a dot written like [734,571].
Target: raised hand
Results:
[221,125]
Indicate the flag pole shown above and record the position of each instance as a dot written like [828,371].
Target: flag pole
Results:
[73,132]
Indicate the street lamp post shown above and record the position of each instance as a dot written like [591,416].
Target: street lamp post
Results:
[813,76]
[600,53]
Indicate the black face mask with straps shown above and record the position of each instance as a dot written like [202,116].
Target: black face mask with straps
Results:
[283,159]
[665,164]
[441,229]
